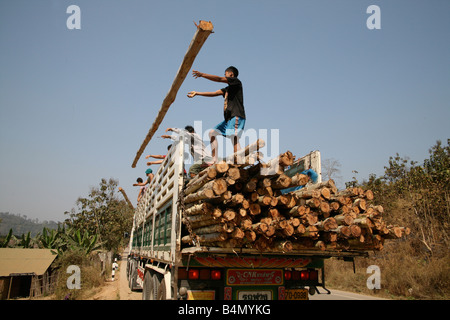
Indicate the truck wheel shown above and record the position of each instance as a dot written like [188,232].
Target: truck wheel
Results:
[133,275]
[161,295]
[156,284]
[148,290]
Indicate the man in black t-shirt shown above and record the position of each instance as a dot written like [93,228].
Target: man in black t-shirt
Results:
[233,110]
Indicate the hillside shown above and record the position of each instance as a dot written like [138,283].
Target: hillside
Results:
[22,225]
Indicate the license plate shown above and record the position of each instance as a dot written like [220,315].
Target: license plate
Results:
[296,294]
[255,295]
[201,295]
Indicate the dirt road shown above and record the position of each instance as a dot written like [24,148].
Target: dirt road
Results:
[118,289]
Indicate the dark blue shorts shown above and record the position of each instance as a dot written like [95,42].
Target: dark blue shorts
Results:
[232,127]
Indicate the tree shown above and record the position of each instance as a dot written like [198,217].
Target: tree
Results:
[331,169]
[103,214]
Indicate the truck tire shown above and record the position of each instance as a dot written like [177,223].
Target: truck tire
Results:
[161,294]
[133,275]
[149,288]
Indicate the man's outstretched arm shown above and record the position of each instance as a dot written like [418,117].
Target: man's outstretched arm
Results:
[198,74]
[205,94]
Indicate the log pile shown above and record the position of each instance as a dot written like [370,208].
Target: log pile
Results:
[242,206]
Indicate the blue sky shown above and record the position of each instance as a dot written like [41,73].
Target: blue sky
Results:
[75,105]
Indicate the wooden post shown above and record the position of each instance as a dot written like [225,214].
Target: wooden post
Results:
[204,29]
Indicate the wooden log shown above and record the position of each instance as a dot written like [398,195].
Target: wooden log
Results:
[264,200]
[204,29]
[274,213]
[340,199]
[199,195]
[343,231]
[210,229]
[309,219]
[334,206]
[310,232]
[306,194]
[282,181]
[324,209]
[199,181]
[286,200]
[237,233]
[248,150]
[206,238]
[277,165]
[300,229]
[297,211]
[313,203]
[200,208]
[254,209]
[343,219]
[246,224]
[327,224]
[229,214]
[250,235]
[360,203]
[299,180]
[234,173]
[236,199]
[349,192]
[393,233]
[251,185]
[329,184]
[260,227]
[355,230]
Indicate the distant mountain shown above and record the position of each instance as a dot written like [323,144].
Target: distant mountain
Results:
[22,225]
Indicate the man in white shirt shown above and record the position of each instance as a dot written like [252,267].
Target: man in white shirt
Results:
[202,158]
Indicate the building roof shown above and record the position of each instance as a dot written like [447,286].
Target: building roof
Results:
[24,261]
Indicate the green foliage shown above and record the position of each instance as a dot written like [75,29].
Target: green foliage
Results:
[103,214]
[422,190]
[4,243]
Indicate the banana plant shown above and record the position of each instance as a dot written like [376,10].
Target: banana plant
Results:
[5,242]
[25,242]
[49,238]
[85,242]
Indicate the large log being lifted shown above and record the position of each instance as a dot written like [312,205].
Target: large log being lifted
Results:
[204,29]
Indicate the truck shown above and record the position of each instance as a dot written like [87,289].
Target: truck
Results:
[165,268]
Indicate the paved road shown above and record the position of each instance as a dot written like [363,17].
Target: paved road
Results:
[342,295]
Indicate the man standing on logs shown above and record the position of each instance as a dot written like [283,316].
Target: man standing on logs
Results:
[202,158]
[234,112]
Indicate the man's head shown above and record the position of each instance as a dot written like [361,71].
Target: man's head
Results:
[231,72]
[148,171]
[189,129]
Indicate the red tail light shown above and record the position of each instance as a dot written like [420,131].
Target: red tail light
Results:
[287,275]
[304,275]
[193,274]
[296,275]
[314,275]
[216,274]
[205,274]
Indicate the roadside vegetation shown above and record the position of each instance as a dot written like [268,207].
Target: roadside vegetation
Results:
[99,223]
[417,196]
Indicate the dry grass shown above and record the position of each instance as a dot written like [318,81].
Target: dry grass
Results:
[411,268]
[91,278]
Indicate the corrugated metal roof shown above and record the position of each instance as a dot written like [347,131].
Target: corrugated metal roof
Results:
[19,261]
